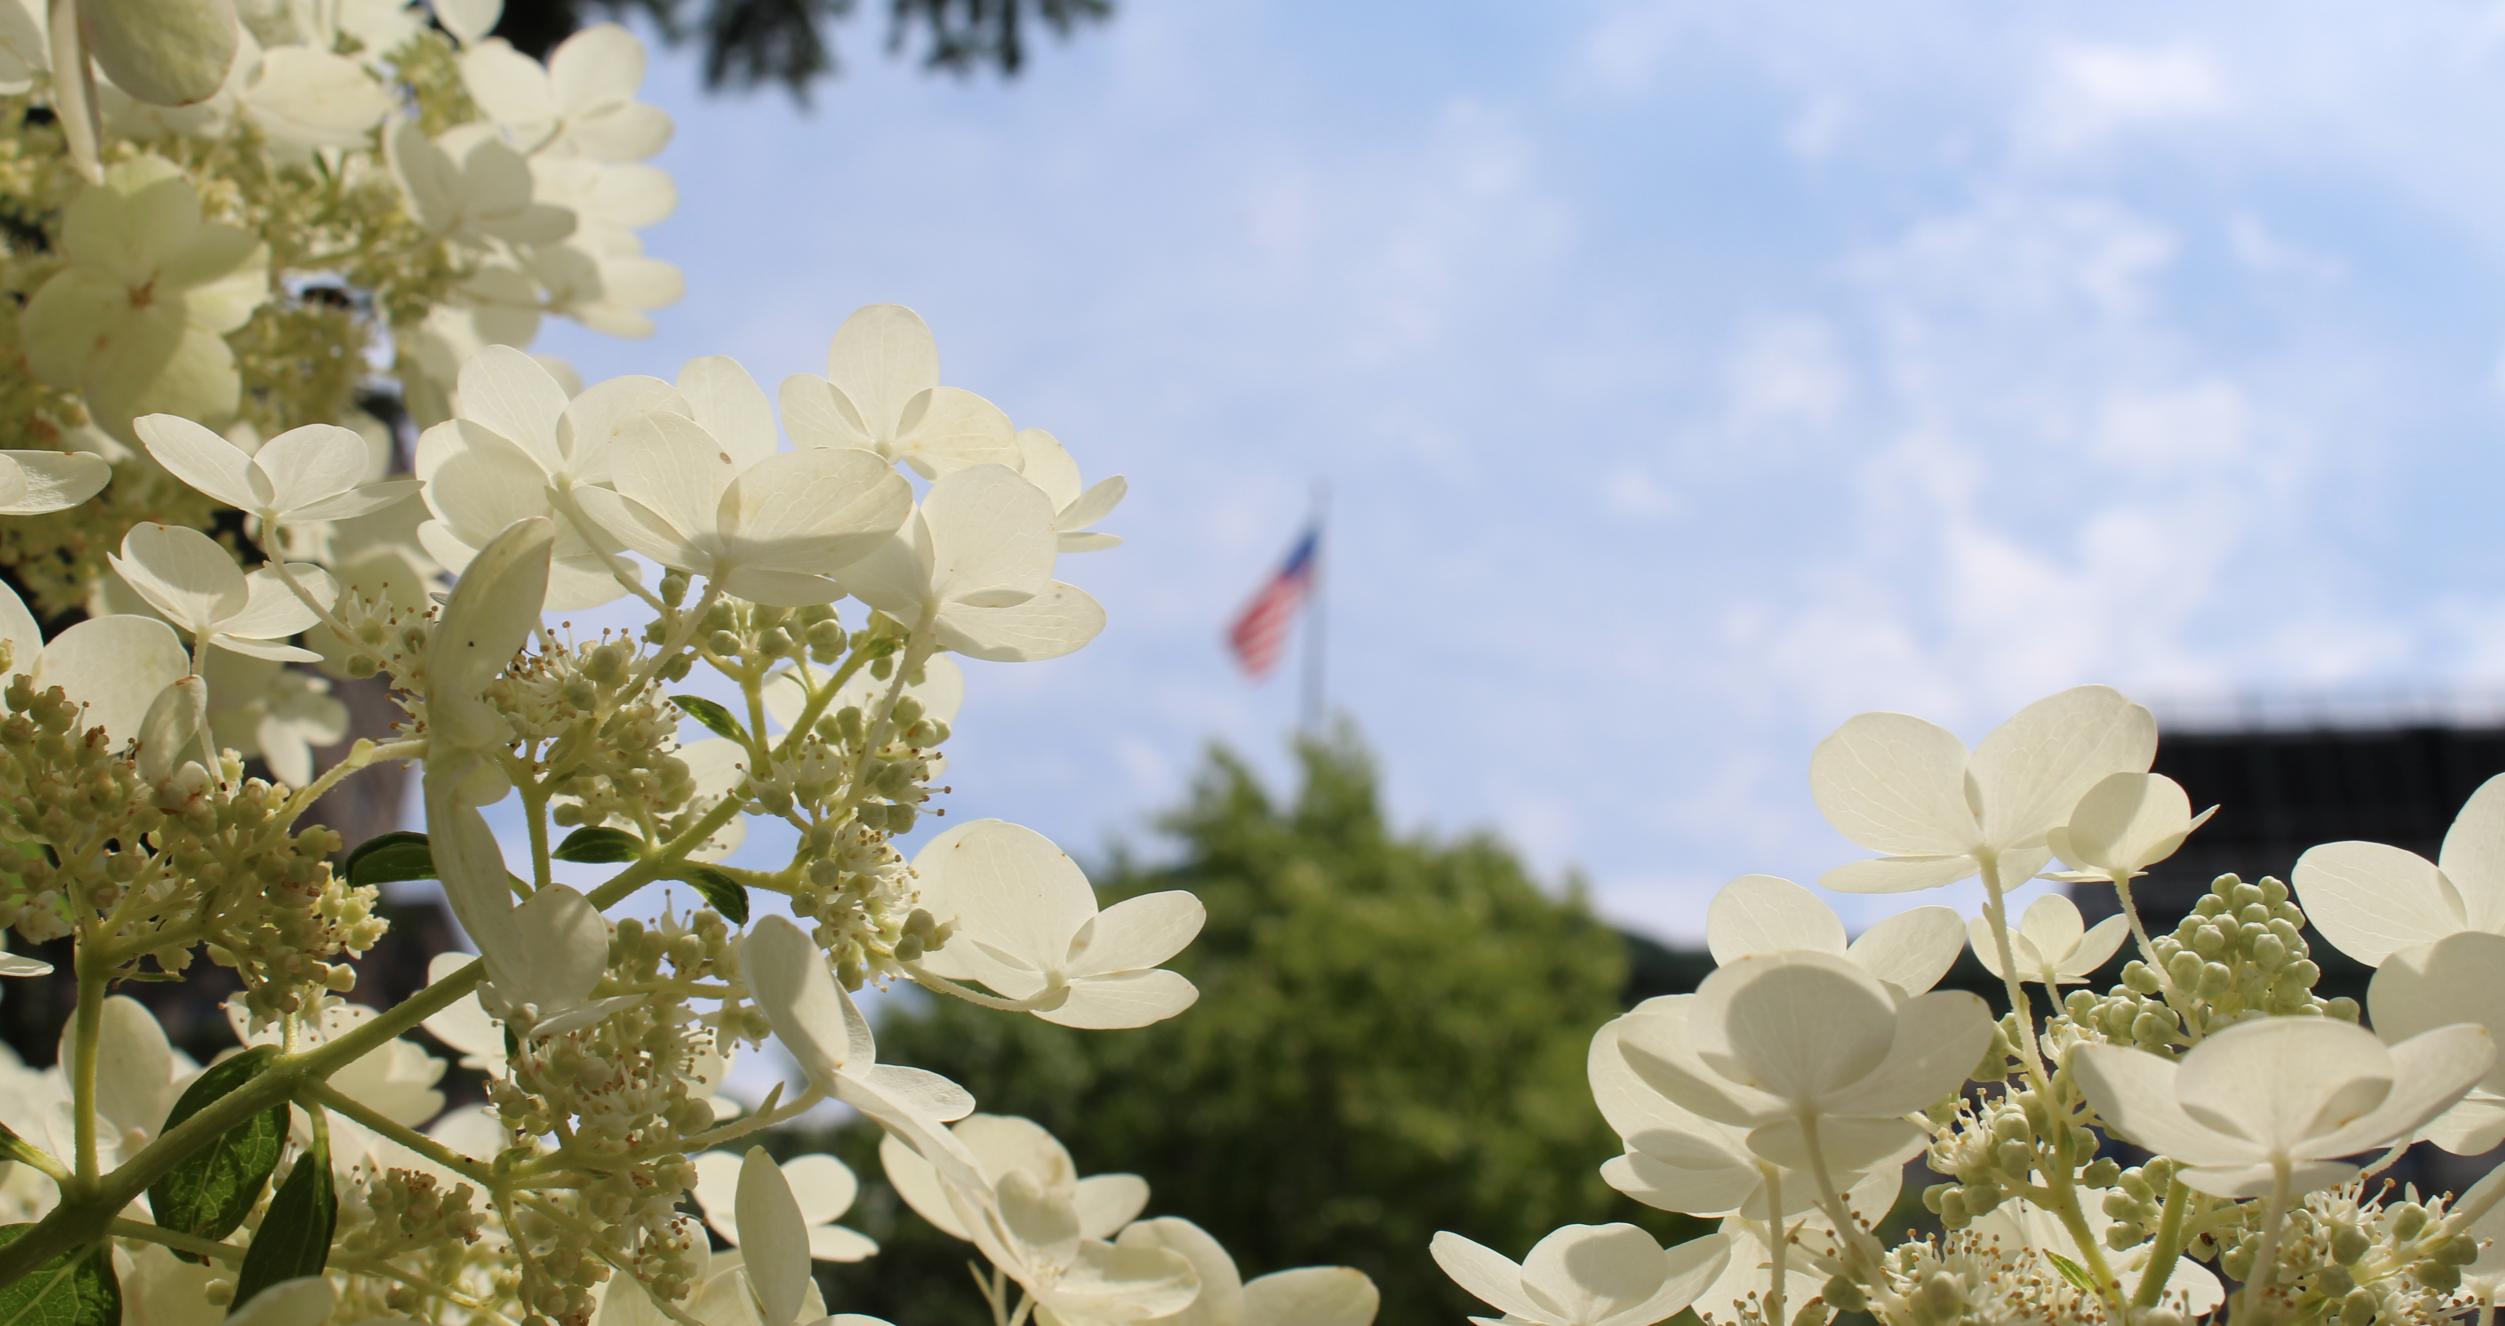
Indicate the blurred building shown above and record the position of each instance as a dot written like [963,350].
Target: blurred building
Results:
[2289,777]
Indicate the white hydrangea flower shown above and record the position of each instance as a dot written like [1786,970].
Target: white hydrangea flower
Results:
[1677,1159]
[2372,901]
[169,52]
[309,98]
[259,707]
[582,101]
[318,472]
[822,1187]
[1812,1056]
[2279,1098]
[1585,1275]
[2052,943]
[1911,790]
[1306,1296]
[492,611]
[973,565]
[610,200]
[2457,979]
[113,666]
[1000,1145]
[467,22]
[195,584]
[882,392]
[1028,1211]
[602,278]
[711,495]
[773,1238]
[1910,951]
[35,482]
[472,186]
[1027,927]
[518,446]
[1047,465]
[174,729]
[2125,824]
[824,1031]
[135,321]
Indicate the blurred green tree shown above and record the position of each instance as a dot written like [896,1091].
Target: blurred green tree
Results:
[748,43]
[1389,1041]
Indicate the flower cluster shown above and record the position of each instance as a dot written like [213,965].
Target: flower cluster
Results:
[230,217]
[2205,1138]
[220,217]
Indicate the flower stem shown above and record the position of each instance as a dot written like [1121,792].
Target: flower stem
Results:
[1777,1242]
[2265,1266]
[2175,999]
[180,1242]
[332,1098]
[1996,915]
[363,755]
[2168,1247]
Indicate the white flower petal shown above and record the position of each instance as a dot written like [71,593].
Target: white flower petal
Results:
[1115,1003]
[1055,622]
[1767,914]
[1911,950]
[1137,933]
[182,573]
[201,458]
[1008,885]
[2034,769]
[882,357]
[1895,784]
[115,666]
[2371,901]
[773,1239]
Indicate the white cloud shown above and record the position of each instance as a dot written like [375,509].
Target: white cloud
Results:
[1819,128]
[1786,372]
[2094,89]
[1623,51]
[2264,252]
[2175,429]
[1635,494]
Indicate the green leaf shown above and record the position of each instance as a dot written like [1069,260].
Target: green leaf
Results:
[390,858]
[209,1192]
[77,1288]
[2072,1272]
[711,715]
[295,1235]
[599,843]
[721,892]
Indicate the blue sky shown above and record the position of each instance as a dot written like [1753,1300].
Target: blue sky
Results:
[1688,377]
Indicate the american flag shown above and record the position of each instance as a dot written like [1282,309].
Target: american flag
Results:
[1260,630]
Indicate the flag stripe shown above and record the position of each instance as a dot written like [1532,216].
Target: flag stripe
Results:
[1259,633]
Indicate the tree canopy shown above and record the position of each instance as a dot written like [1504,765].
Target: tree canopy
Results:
[749,43]
[1389,1041]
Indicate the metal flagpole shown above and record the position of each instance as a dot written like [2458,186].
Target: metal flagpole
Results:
[1313,696]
